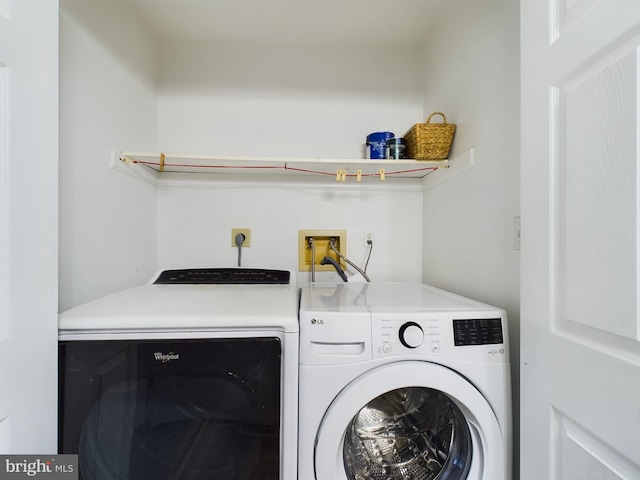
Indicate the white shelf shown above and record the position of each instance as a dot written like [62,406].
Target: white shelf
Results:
[158,164]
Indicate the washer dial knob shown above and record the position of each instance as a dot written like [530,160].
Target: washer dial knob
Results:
[411,335]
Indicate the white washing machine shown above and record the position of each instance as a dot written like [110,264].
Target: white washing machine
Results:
[402,381]
[194,375]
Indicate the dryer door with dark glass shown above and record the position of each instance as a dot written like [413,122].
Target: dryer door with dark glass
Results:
[196,409]
[413,420]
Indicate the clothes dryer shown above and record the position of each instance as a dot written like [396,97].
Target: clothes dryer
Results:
[402,381]
[193,375]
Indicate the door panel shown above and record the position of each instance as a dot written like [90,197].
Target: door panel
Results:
[580,368]
[28,224]
[579,454]
[595,164]
[4,222]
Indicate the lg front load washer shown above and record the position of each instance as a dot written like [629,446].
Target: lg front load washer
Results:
[402,381]
[192,376]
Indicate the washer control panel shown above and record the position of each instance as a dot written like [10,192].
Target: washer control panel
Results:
[402,334]
[445,334]
[477,331]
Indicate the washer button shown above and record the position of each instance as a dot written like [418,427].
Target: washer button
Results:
[435,347]
[386,348]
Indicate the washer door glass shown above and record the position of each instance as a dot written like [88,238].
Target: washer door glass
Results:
[413,432]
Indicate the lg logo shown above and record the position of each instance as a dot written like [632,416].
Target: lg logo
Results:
[317,322]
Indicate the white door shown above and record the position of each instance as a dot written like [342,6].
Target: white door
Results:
[28,225]
[580,370]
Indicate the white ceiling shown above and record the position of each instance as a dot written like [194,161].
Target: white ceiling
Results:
[395,23]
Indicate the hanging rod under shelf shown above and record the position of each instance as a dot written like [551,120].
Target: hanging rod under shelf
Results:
[341,168]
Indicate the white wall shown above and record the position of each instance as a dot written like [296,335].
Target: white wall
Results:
[107,102]
[472,75]
[195,222]
[276,100]
[270,100]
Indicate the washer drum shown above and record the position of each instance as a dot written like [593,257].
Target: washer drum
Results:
[413,433]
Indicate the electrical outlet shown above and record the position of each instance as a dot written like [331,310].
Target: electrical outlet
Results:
[321,242]
[247,236]
[369,238]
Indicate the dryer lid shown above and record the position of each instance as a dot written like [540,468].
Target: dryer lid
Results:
[185,306]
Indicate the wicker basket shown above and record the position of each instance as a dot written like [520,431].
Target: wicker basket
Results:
[430,141]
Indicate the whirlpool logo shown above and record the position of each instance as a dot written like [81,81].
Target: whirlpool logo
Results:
[36,466]
[166,357]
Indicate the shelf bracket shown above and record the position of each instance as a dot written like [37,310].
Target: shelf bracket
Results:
[129,166]
[455,166]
